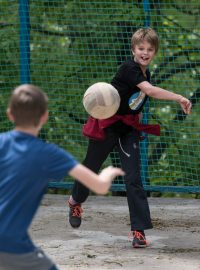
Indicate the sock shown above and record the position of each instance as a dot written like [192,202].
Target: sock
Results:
[72,201]
[142,232]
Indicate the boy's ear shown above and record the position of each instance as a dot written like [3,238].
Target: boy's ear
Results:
[9,115]
[44,118]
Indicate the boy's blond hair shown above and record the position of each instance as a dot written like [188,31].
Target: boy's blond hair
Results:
[27,104]
[145,34]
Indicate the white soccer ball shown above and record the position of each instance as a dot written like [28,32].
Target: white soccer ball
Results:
[101,100]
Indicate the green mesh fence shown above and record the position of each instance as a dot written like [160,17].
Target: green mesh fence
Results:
[73,44]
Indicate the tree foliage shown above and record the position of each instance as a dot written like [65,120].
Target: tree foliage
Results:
[77,43]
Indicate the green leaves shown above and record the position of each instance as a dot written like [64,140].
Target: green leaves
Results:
[77,43]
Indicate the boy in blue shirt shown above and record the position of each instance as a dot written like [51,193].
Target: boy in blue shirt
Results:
[27,165]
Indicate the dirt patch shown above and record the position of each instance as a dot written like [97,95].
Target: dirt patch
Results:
[161,224]
[102,240]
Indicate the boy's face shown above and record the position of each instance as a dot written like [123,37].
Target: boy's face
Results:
[144,53]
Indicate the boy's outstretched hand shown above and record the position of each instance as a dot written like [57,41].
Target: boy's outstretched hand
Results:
[108,174]
[185,104]
[100,184]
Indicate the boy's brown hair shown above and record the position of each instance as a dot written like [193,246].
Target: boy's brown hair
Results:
[27,104]
[145,34]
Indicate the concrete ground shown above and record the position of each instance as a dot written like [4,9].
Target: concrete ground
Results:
[102,240]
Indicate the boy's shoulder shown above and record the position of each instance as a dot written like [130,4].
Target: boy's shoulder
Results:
[15,139]
[129,63]
[5,136]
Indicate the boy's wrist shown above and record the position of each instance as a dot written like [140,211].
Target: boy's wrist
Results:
[179,97]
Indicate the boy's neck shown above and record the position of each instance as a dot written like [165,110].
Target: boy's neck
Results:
[30,130]
[143,68]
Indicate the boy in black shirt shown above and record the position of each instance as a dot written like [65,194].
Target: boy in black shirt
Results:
[122,132]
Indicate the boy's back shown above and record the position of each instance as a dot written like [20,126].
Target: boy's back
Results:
[27,164]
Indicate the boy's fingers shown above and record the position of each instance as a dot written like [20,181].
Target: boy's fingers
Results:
[186,106]
[118,171]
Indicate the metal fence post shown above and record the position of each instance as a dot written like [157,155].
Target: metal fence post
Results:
[24,41]
[144,143]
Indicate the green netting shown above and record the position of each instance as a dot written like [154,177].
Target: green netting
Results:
[74,44]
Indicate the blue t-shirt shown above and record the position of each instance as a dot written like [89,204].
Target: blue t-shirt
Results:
[27,164]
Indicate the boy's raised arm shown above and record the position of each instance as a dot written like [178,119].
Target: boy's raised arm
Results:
[160,93]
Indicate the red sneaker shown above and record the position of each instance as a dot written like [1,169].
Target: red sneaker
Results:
[139,240]
[75,212]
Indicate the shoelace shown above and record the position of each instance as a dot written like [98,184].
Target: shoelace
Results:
[138,235]
[76,210]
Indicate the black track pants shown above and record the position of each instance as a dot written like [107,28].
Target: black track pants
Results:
[129,153]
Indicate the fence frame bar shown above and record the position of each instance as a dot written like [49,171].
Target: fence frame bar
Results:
[24,41]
